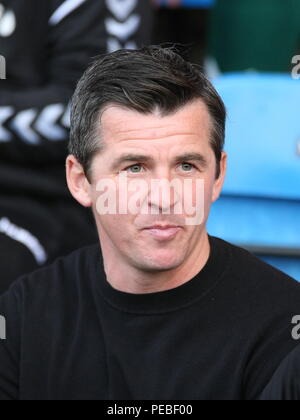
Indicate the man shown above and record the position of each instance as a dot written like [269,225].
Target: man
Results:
[47,45]
[158,310]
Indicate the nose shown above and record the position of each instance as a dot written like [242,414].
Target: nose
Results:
[164,195]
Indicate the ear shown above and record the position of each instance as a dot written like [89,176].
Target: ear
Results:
[78,184]
[220,181]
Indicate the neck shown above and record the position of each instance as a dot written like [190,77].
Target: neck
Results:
[129,279]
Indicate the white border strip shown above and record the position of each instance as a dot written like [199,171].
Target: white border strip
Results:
[64,10]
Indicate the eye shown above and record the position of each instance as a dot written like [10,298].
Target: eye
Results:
[188,166]
[136,166]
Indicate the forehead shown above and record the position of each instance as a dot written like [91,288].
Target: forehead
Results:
[119,124]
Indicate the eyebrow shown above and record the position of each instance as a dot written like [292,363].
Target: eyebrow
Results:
[194,157]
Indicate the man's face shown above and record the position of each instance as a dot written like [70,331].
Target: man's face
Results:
[160,140]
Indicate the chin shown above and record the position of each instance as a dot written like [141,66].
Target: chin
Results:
[162,261]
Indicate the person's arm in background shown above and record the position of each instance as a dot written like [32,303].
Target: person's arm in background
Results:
[285,384]
[35,112]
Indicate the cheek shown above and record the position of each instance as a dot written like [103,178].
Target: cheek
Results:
[114,224]
[108,219]
[115,229]
[209,194]
[205,199]
[203,193]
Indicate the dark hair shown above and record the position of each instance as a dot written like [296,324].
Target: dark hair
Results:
[142,80]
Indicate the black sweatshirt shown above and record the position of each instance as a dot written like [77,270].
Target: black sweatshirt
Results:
[71,336]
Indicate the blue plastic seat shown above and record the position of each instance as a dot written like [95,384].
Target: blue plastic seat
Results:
[193,3]
[260,205]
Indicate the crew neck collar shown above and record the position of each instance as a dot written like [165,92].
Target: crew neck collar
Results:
[173,299]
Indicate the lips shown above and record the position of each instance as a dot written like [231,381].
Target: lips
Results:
[163,232]
[163,227]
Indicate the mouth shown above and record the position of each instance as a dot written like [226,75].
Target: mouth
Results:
[163,233]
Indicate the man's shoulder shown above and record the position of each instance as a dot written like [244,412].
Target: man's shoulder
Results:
[248,269]
[63,275]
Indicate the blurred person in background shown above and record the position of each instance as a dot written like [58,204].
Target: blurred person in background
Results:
[47,45]
[259,35]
